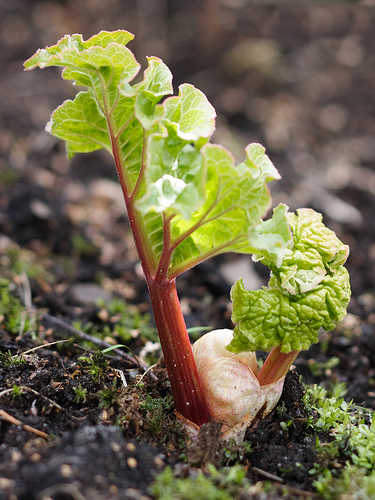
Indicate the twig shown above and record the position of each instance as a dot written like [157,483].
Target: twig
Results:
[27,301]
[25,388]
[12,420]
[147,371]
[267,475]
[27,297]
[41,347]
[294,491]
[279,484]
[101,343]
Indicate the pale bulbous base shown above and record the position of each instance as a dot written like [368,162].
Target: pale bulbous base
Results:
[229,382]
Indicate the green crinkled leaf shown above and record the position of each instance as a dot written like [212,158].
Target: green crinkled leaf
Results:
[316,251]
[308,289]
[310,233]
[268,317]
[299,271]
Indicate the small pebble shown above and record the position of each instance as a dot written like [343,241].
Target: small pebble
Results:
[16,456]
[113,489]
[6,483]
[132,462]
[35,457]
[115,447]
[131,447]
[66,470]
[158,462]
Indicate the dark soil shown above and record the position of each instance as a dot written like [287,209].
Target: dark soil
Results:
[299,77]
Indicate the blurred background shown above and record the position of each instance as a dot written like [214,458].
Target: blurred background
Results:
[296,76]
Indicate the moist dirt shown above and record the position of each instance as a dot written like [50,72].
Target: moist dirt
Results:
[73,426]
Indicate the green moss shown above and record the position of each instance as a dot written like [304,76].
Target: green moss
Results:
[155,411]
[127,320]
[346,456]
[8,177]
[83,246]
[80,394]
[7,359]
[14,317]
[216,485]
[319,369]
[16,261]
[122,321]
[96,365]
[108,396]
[16,392]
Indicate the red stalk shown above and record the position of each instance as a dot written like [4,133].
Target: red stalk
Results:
[178,355]
[277,365]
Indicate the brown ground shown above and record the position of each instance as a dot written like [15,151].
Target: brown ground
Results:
[298,77]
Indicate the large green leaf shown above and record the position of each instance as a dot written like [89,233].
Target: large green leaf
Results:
[81,124]
[110,107]
[192,201]
[100,63]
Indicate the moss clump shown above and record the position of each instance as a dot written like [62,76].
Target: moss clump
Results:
[14,317]
[346,460]
[217,485]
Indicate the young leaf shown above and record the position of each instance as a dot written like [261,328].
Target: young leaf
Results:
[309,290]
[190,114]
[259,163]
[236,200]
[272,238]
[81,124]
[316,251]
[157,83]
[182,193]
[269,317]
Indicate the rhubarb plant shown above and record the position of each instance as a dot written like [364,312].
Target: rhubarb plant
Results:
[187,201]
